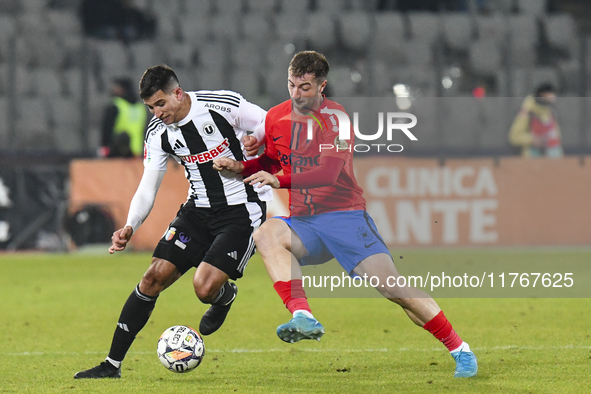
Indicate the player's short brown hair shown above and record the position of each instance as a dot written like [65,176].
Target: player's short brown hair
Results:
[157,78]
[309,62]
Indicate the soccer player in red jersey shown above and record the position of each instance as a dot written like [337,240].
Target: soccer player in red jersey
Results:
[328,217]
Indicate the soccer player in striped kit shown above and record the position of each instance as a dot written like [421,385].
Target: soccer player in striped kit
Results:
[213,228]
[328,217]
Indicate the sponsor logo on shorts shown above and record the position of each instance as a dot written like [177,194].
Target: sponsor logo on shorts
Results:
[233,255]
[184,238]
[367,246]
[170,234]
[180,244]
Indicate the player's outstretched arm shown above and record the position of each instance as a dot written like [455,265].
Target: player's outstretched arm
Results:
[120,239]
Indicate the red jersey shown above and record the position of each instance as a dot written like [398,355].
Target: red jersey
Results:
[287,144]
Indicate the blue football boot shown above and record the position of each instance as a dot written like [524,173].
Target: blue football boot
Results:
[466,364]
[300,327]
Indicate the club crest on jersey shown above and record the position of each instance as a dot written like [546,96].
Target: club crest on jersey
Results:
[208,129]
[170,234]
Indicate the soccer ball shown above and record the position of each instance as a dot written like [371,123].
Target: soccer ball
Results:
[180,349]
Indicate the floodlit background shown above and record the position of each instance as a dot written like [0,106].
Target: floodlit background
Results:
[463,67]
[55,79]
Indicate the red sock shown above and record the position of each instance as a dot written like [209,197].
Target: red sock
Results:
[292,294]
[441,329]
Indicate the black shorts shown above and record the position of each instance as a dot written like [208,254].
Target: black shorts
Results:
[221,237]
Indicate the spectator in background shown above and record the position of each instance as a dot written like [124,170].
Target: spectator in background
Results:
[124,122]
[535,128]
[116,19]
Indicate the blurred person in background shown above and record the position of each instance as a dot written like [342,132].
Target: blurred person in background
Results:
[124,122]
[535,128]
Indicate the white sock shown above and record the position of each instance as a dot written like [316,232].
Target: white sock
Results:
[464,347]
[306,313]
[116,364]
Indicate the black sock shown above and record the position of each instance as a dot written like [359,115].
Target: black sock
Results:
[225,296]
[134,316]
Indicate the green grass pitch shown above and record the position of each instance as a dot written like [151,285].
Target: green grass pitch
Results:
[58,313]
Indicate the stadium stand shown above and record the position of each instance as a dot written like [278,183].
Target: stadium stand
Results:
[4,139]
[333,7]
[355,30]
[485,56]
[262,7]
[321,30]
[492,27]
[531,7]
[198,8]
[507,46]
[458,30]
[561,31]
[295,7]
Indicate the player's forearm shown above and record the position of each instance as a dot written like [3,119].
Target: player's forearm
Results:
[144,197]
[326,174]
[284,181]
[261,163]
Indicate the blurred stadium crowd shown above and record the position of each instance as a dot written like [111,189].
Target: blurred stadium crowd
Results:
[55,79]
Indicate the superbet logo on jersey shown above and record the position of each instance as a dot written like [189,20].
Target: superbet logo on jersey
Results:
[342,125]
[207,156]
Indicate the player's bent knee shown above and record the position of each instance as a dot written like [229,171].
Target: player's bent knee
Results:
[207,284]
[158,277]
[259,237]
[151,285]
[206,291]
[273,232]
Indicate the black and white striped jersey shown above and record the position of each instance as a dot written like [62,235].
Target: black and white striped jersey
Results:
[214,127]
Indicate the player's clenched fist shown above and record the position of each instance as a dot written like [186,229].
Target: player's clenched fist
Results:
[225,163]
[251,145]
[120,239]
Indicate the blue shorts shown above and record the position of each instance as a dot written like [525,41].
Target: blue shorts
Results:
[348,236]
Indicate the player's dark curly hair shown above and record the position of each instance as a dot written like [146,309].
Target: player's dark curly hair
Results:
[309,62]
[157,78]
